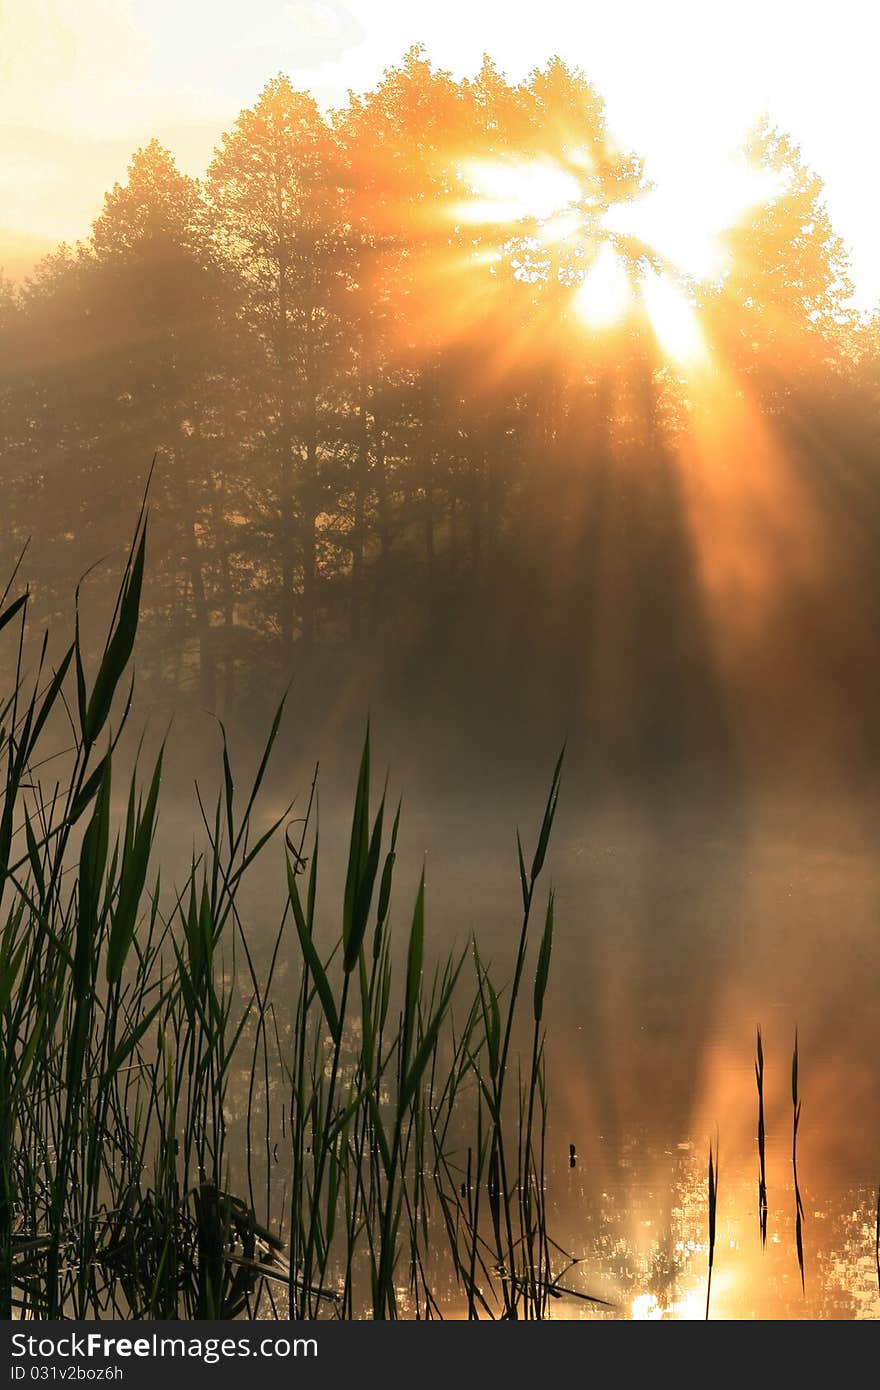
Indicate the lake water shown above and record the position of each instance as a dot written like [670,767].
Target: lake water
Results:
[679,930]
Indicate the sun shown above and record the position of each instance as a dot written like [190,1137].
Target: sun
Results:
[510,191]
[686,221]
[644,255]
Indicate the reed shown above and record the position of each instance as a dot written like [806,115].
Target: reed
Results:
[877,1239]
[798,1204]
[195,1123]
[713,1213]
[762,1158]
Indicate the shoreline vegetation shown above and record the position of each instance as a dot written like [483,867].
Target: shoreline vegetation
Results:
[381,1115]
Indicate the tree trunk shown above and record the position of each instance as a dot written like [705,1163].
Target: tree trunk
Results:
[310,509]
[227,599]
[287,515]
[204,633]
[380,582]
[360,502]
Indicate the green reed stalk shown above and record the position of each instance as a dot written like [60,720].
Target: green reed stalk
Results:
[762,1162]
[877,1239]
[798,1204]
[713,1210]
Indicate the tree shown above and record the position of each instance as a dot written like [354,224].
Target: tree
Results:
[783,304]
[274,198]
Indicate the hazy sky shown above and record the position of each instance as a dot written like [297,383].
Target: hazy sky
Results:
[83,81]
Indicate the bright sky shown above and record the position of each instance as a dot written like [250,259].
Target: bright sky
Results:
[84,81]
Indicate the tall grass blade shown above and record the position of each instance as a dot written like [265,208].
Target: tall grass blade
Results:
[762,1158]
[713,1210]
[798,1204]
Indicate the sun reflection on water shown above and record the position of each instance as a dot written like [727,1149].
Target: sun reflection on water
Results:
[646,1307]
[645,1246]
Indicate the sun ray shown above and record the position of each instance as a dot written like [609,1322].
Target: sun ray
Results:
[605,293]
[673,319]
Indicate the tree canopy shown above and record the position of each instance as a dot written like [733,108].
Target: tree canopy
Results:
[404,367]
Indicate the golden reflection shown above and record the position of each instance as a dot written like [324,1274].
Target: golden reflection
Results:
[642,1240]
[646,1307]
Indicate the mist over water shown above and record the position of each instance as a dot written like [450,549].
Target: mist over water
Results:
[689,911]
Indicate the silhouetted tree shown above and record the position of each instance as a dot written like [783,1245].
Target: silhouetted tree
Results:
[273,191]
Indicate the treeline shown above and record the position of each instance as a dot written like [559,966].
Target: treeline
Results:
[372,404]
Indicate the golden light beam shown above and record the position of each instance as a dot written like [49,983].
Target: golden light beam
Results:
[674,321]
[605,293]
